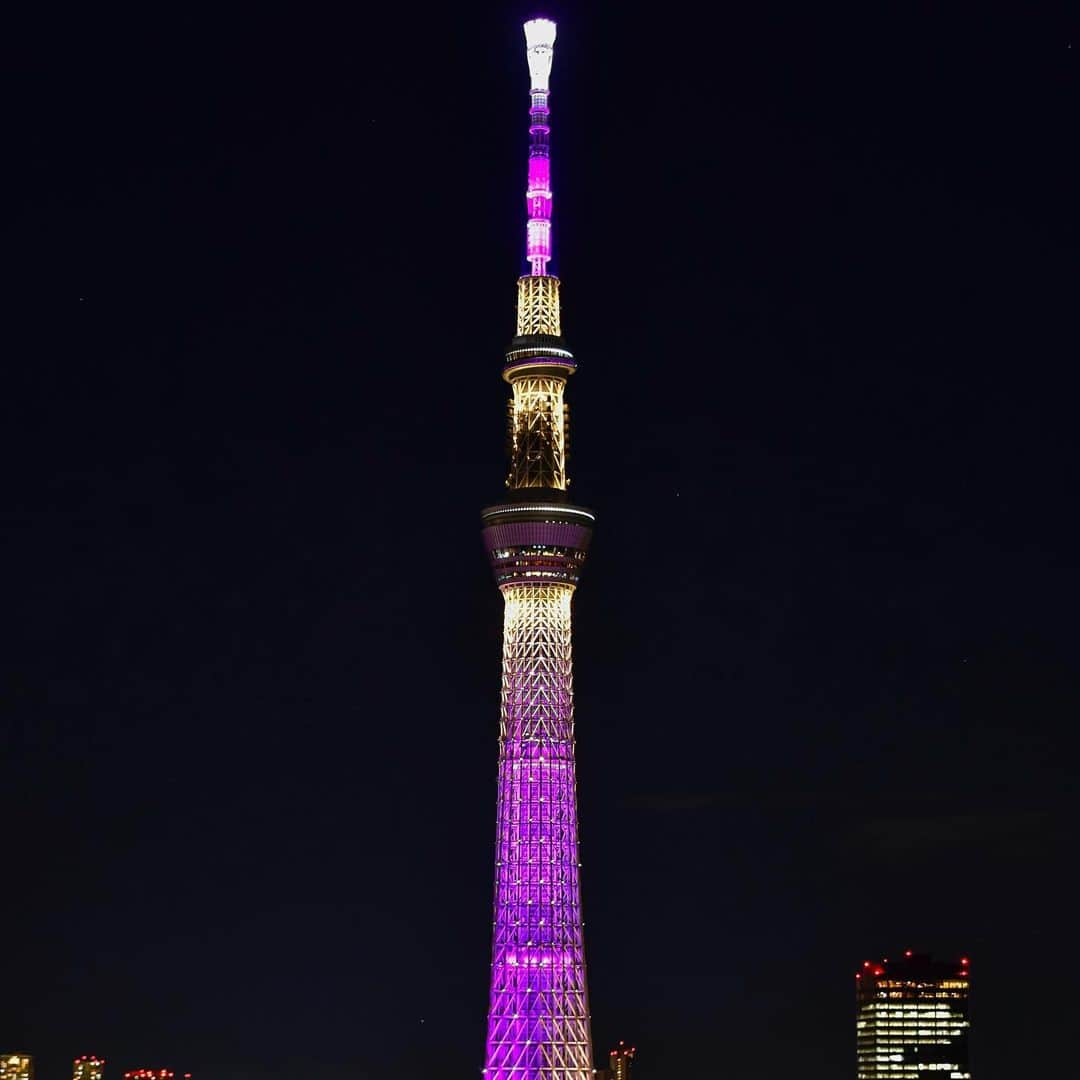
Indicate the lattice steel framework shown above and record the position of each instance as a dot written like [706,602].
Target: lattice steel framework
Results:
[538,1018]
[538,1024]
[538,433]
[538,310]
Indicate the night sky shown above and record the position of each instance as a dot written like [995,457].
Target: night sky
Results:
[820,274]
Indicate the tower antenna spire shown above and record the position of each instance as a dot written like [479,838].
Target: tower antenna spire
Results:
[540,49]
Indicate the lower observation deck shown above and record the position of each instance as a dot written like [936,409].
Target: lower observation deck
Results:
[537,541]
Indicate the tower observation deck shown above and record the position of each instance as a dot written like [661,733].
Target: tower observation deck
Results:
[538,1017]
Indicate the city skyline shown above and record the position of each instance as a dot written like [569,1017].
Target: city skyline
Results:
[912,1015]
[819,270]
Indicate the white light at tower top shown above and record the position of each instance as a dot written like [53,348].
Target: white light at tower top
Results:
[540,44]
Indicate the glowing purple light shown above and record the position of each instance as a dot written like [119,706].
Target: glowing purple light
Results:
[538,1021]
[538,1012]
[540,45]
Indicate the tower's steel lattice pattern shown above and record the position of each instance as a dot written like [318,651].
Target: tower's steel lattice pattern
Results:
[538,1019]
[538,430]
[538,305]
[539,1024]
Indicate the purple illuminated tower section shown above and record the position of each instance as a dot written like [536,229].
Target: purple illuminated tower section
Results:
[540,44]
[538,1019]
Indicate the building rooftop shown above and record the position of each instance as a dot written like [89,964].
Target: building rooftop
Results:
[913,965]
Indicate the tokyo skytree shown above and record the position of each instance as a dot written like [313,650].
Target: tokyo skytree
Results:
[538,1017]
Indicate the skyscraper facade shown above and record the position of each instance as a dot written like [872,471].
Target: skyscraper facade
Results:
[88,1067]
[621,1061]
[538,1017]
[16,1067]
[912,1019]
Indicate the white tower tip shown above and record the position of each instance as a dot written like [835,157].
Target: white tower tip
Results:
[540,45]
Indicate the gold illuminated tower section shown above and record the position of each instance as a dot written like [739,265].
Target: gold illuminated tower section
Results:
[912,1019]
[536,538]
[538,365]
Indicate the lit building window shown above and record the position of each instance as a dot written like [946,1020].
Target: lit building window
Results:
[911,1018]
[16,1067]
[88,1067]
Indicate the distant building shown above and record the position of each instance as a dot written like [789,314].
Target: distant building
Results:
[620,1064]
[912,1020]
[153,1074]
[16,1067]
[89,1067]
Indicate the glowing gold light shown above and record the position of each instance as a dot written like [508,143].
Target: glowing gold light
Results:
[538,691]
[16,1067]
[538,956]
[88,1067]
[538,306]
[912,1021]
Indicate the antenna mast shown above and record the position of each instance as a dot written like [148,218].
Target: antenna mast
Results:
[540,47]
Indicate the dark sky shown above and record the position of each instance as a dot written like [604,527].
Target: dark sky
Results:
[820,273]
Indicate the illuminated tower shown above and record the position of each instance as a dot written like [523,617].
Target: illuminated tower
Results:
[621,1061]
[16,1067]
[88,1067]
[538,1019]
[911,1018]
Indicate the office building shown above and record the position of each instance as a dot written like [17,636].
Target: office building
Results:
[88,1067]
[16,1067]
[912,1019]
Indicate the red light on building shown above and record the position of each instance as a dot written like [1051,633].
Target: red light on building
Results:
[918,1003]
[620,1063]
[88,1067]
